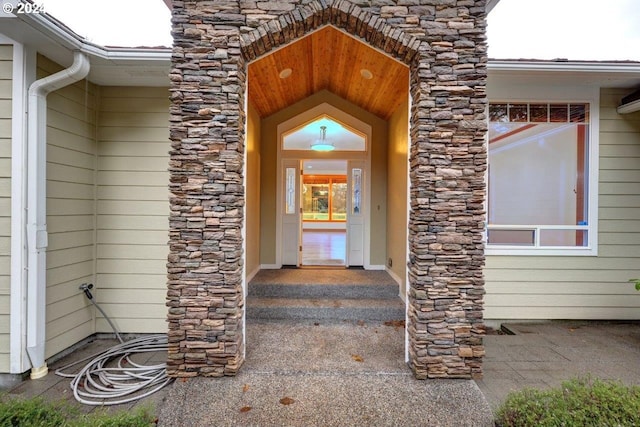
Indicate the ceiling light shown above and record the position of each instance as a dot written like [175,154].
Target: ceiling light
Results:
[322,144]
[285,73]
[367,74]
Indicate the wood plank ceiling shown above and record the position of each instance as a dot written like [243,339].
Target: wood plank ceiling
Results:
[332,60]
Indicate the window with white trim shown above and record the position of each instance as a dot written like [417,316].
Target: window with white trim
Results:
[539,186]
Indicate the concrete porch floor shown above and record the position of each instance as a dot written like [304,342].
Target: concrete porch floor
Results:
[324,373]
[335,373]
[353,373]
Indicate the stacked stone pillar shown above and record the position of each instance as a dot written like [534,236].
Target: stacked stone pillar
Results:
[205,297]
[446,249]
[443,43]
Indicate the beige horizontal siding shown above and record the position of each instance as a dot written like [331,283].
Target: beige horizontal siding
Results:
[65,274]
[6,71]
[112,188]
[5,284]
[71,162]
[107,222]
[133,208]
[564,287]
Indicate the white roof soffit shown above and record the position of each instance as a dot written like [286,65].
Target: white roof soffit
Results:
[129,66]
[613,74]
[564,65]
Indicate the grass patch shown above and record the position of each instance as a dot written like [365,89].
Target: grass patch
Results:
[36,412]
[577,402]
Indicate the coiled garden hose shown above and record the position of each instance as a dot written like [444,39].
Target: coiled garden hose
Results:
[112,377]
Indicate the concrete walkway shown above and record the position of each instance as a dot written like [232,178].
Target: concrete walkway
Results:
[309,373]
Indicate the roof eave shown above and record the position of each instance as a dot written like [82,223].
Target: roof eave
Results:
[65,37]
[489,6]
[564,65]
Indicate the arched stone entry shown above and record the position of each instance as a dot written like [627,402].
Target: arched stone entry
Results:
[443,43]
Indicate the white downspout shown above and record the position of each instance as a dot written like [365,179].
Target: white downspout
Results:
[37,238]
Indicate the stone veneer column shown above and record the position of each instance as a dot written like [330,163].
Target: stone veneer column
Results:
[443,42]
[447,165]
[207,121]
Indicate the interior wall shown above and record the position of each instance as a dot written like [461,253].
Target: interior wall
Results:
[397,160]
[549,180]
[71,161]
[6,71]
[132,208]
[252,206]
[268,173]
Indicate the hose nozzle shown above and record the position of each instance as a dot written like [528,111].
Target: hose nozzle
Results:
[86,288]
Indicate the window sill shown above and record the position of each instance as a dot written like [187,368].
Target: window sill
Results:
[523,251]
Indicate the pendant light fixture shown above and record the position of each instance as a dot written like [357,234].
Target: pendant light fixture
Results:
[321,144]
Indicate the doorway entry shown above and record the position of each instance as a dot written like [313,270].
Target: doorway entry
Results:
[323,193]
[324,217]
[324,212]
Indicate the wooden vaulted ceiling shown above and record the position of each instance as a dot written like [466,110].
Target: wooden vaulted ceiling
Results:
[332,60]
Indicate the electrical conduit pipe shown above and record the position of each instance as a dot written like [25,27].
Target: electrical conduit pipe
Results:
[37,239]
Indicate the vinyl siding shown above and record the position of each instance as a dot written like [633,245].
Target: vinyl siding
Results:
[71,159]
[133,208]
[559,287]
[6,69]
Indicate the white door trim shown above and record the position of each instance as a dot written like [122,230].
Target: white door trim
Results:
[307,116]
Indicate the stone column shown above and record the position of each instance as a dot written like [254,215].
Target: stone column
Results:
[446,220]
[205,265]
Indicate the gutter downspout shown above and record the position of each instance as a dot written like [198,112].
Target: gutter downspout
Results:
[630,103]
[37,238]
[629,108]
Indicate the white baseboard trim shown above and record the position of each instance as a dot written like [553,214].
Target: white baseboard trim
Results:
[270,267]
[375,267]
[398,280]
[394,276]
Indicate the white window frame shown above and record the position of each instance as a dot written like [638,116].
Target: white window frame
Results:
[518,93]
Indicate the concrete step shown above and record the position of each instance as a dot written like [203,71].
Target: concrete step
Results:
[327,291]
[325,309]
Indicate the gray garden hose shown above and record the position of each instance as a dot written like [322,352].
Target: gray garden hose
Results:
[99,382]
[86,288]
